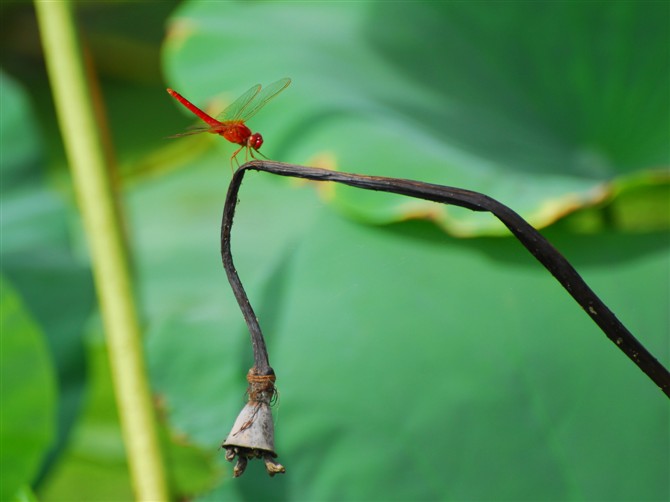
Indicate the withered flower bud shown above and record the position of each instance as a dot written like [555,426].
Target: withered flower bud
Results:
[252,435]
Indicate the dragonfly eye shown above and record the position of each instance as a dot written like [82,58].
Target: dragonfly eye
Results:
[255,141]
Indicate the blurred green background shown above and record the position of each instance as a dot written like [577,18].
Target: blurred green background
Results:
[421,353]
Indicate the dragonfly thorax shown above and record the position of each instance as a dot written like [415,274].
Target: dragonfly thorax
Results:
[235,133]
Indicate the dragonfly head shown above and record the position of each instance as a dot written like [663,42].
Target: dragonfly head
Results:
[255,141]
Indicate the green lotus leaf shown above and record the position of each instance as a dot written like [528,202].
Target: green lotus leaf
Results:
[538,105]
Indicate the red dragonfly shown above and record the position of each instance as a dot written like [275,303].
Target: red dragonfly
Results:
[231,122]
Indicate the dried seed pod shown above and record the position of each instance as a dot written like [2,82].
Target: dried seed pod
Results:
[253,429]
[252,435]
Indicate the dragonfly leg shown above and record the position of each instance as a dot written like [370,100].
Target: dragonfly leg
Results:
[234,157]
[259,153]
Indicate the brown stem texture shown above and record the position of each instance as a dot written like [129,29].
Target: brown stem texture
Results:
[539,247]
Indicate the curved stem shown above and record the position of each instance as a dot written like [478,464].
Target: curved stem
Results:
[105,237]
[261,362]
[522,230]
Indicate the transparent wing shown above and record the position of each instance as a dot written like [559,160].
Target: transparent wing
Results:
[257,101]
[194,129]
[237,107]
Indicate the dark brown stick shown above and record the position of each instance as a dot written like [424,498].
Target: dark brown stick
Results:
[524,232]
[261,362]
